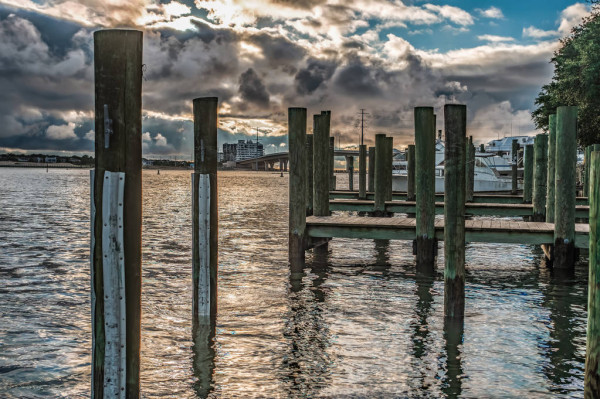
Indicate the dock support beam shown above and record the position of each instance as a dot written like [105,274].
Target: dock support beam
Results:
[309,170]
[389,153]
[362,172]
[380,170]
[205,211]
[332,163]
[592,371]
[540,176]
[116,220]
[410,171]
[527,173]
[297,187]
[350,169]
[426,244]
[455,121]
[371,179]
[564,212]
[470,170]
[320,168]
[514,166]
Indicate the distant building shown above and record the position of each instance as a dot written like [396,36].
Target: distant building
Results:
[229,152]
[248,149]
[219,157]
[50,160]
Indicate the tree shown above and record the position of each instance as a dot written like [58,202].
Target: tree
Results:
[576,80]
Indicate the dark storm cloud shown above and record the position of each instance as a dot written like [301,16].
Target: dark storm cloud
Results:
[278,50]
[314,75]
[359,80]
[252,89]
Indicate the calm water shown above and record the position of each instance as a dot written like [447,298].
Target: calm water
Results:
[357,323]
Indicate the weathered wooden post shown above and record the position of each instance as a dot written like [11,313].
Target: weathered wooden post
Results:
[550,185]
[426,244]
[455,121]
[592,371]
[205,211]
[527,173]
[470,170]
[332,163]
[514,166]
[362,172]
[380,170]
[389,153]
[410,171]
[371,180]
[586,169]
[309,169]
[540,175]
[481,148]
[321,159]
[350,169]
[297,186]
[116,215]
[564,206]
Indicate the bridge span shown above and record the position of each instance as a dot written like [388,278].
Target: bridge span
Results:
[267,162]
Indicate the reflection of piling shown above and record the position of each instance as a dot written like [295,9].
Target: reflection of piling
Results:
[410,172]
[331,163]
[514,166]
[320,166]
[297,186]
[426,244]
[540,176]
[205,210]
[380,170]
[203,359]
[389,154]
[116,219]
[453,334]
[309,170]
[550,185]
[350,168]
[470,170]
[564,212]
[592,371]
[455,121]
[527,173]
[371,179]
[362,172]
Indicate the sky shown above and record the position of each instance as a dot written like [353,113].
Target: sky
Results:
[260,57]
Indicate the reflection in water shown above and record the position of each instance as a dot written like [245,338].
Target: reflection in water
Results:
[420,329]
[382,251]
[308,362]
[203,336]
[453,335]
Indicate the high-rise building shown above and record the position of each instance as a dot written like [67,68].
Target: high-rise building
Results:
[229,152]
[248,149]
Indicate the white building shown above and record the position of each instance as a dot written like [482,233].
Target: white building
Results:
[248,149]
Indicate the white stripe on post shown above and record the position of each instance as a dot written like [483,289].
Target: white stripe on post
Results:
[92,293]
[202,185]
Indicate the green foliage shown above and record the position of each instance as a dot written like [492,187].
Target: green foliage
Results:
[576,81]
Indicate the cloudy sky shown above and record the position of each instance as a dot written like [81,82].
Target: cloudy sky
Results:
[262,56]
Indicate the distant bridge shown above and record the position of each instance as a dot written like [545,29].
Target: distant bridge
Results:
[267,162]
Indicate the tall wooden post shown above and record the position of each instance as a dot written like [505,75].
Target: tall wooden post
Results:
[116,214]
[470,170]
[426,244]
[371,180]
[481,148]
[586,169]
[564,207]
[332,163]
[514,166]
[362,172]
[389,152]
[550,189]
[205,211]
[592,371]
[410,171]
[309,170]
[455,118]
[527,173]
[380,181]
[350,169]
[297,186]
[540,175]
[321,159]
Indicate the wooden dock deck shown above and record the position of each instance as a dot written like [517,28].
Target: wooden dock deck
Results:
[402,228]
[475,209]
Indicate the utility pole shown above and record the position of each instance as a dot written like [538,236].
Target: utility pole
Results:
[362,126]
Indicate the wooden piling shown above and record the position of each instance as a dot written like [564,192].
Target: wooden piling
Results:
[481,148]
[592,371]
[564,207]
[332,163]
[116,219]
[586,169]
[362,172]
[527,174]
[371,179]
[540,176]
[309,170]
[514,166]
[550,185]
[410,170]
[380,170]
[321,160]
[297,186]
[350,169]
[389,152]
[455,121]
[205,211]
[426,244]
[470,170]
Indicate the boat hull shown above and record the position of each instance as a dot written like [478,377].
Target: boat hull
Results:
[400,183]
